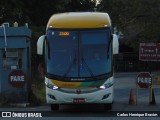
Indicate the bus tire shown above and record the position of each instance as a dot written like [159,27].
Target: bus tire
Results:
[108,106]
[54,106]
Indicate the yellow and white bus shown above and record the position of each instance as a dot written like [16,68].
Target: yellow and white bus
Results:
[78,52]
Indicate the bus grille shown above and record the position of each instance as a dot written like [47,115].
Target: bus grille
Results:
[82,91]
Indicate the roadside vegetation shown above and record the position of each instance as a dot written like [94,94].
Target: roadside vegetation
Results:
[3,101]
[37,94]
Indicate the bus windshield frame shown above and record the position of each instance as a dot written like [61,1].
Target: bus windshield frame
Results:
[79,55]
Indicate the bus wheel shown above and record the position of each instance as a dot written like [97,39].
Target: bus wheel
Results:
[108,106]
[54,106]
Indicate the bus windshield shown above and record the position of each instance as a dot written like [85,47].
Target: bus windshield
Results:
[78,54]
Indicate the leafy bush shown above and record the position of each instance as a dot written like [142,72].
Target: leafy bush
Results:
[37,93]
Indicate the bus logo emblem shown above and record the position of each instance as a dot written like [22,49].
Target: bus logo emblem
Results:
[78,91]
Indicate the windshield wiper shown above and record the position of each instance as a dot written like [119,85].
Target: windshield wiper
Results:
[49,54]
[109,47]
[88,68]
[70,66]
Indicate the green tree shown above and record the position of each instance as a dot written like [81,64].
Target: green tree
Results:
[39,11]
[11,11]
[139,20]
[81,5]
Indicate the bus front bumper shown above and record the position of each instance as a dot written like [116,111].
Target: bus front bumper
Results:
[99,96]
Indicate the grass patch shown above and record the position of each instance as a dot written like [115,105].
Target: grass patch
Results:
[38,93]
[3,101]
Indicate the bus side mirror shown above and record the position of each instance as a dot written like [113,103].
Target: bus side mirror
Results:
[115,44]
[40,45]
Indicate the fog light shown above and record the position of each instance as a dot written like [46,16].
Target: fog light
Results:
[106,96]
[52,97]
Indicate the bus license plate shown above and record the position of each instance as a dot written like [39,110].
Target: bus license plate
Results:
[78,100]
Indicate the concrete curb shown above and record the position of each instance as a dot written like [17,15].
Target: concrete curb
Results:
[19,104]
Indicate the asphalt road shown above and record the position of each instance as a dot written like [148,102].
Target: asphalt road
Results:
[124,82]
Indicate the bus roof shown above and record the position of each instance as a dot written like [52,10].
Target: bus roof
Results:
[79,20]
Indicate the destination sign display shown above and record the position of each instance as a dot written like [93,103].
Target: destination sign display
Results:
[63,33]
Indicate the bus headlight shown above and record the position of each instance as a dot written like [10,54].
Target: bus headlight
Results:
[53,87]
[105,86]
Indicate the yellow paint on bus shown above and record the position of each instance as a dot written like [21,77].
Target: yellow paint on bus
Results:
[79,20]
